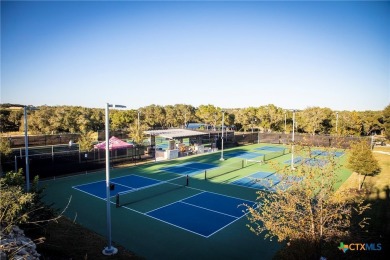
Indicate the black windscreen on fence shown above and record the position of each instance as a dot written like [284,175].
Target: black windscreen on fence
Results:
[51,162]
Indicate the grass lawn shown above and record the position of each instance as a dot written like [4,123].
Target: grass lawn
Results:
[375,184]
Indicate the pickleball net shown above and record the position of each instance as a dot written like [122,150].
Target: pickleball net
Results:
[150,191]
[222,170]
[250,162]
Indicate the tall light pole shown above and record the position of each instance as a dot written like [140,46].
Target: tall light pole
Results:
[138,132]
[293,140]
[337,122]
[26,146]
[258,132]
[252,139]
[109,250]
[223,119]
[26,150]
[185,120]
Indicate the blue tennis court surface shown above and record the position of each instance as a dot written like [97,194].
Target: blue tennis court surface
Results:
[259,180]
[189,168]
[296,160]
[308,161]
[245,155]
[122,184]
[265,181]
[98,189]
[325,153]
[203,214]
[271,148]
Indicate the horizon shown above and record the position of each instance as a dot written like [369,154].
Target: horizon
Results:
[230,54]
[196,107]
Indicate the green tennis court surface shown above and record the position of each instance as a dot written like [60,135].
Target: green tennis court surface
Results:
[157,215]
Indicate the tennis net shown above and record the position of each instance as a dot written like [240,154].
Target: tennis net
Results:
[150,191]
[273,155]
[250,162]
[212,173]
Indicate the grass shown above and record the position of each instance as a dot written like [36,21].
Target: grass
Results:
[377,184]
[375,188]
[67,240]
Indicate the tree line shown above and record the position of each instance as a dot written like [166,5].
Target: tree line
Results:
[313,120]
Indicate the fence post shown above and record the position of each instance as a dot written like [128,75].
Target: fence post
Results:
[16,164]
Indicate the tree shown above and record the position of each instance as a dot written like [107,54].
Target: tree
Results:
[315,119]
[386,121]
[120,119]
[86,140]
[18,207]
[171,117]
[362,161]
[209,114]
[137,132]
[309,212]
[5,148]
[153,115]
[185,113]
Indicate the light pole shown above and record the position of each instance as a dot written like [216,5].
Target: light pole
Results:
[109,250]
[138,132]
[252,139]
[185,120]
[26,146]
[258,139]
[293,139]
[337,122]
[223,119]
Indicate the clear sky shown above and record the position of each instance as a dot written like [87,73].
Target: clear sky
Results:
[225,53]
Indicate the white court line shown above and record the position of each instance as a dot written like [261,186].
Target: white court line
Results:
[173,203]
[217,212]
[169,223]
[76,188]
[86,192]
[207,209]
[138,176]
[179,201]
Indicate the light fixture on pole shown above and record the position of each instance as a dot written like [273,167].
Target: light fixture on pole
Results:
[223,119]
[26,146]
[109,250]
[337,122]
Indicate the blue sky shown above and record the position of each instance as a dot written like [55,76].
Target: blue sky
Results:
[229,54]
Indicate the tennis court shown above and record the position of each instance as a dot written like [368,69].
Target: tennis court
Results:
[271,148]
[204,213]
[269,181]
[309,161]
[189,168]
[244,155]
[158,216]
[325,153]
